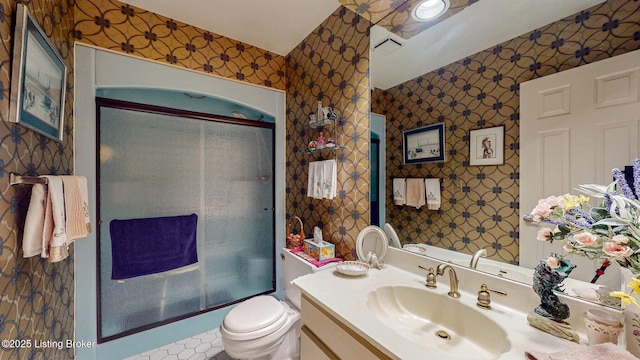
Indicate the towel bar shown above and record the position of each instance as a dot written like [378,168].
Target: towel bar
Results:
[15,179]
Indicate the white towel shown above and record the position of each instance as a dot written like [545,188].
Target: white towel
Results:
[311,179]
[415,193]
[432,189]
[314,182]
[317,183]
[34,222]
[329,179]
[399,191]
[58,248]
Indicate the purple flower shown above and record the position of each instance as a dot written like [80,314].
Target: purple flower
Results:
[553,222]
[636,175]
[607,202]
[626,190]
[579,214]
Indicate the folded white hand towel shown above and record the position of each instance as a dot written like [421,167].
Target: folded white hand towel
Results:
[329,179]
[317,183]
[311,179]
[432,189]
[399,191]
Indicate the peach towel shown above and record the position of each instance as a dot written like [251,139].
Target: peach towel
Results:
[55,243]
[415,193]
[605,351]
[76,205]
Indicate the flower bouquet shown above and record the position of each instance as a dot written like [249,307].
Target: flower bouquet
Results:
[609,231]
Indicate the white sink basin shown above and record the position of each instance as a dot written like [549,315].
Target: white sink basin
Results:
[437,320]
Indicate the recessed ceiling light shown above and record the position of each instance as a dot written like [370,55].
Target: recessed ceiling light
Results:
[429,9]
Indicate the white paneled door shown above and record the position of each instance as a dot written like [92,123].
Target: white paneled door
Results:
[575,126]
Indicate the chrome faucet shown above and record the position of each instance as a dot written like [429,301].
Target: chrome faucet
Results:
[476,257]
[453,279]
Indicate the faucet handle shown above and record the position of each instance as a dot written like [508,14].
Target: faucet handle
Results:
[431,277]
[484,298]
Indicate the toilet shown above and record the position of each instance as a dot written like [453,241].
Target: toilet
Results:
[263,327]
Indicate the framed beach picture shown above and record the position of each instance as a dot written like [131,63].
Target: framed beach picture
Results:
[425,144]
[38,79]
[486,146]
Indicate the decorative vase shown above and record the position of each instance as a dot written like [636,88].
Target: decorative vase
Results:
[631,316]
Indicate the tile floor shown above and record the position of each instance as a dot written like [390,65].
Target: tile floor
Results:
[205,346]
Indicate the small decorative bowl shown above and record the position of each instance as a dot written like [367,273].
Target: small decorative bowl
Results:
[415,249]
[352,268]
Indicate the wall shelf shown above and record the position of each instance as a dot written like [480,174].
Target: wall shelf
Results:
[326,149]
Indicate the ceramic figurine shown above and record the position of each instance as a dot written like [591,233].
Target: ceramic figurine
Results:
[549,316]
[313,120]
[321,142]
[545,281]
[326,111]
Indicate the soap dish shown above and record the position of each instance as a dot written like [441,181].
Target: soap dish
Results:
[352,268]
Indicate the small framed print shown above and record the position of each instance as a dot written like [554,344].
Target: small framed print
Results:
[425,144]
[486,146]
[38,80]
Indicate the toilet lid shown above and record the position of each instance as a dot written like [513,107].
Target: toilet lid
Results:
[255,314]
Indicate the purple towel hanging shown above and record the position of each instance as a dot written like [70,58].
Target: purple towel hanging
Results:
[152,245]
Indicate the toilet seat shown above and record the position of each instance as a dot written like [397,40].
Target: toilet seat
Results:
[254,318]
[246,344]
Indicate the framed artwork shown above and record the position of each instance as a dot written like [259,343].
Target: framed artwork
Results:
[486,146]
[38,80]
[425,144]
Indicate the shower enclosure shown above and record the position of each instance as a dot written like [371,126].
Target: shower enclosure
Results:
[155,161]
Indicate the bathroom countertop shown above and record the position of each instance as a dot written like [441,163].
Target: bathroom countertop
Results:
[345,297]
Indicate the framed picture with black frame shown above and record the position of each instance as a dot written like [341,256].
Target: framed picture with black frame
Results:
[424,144]
[38,79]
[486,146]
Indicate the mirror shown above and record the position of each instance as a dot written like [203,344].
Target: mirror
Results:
[372,240]
[476,89]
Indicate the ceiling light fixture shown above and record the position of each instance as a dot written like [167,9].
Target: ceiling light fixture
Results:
[428,10]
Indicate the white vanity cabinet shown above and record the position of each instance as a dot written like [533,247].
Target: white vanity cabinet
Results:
[363,317]
[326,337]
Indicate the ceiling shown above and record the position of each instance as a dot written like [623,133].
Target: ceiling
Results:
[280,25]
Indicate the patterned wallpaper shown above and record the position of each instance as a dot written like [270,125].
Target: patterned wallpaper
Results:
[331,65]
[480,203]
[116,26]
[395,16]
[37,297]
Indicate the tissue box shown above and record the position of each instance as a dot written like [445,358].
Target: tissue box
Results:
[320,252]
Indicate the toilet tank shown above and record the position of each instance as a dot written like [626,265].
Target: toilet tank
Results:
[293,266]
